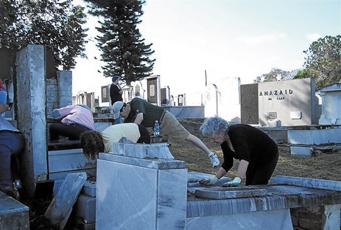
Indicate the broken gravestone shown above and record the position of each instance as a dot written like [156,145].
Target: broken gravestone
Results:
[60,208]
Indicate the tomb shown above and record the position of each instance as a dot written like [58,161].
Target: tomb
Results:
[160,194]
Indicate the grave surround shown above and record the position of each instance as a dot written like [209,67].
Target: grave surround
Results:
[163,202]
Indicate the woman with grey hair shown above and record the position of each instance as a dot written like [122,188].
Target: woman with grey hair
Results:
[257,152]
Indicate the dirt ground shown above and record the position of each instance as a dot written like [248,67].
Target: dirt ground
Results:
[324,166]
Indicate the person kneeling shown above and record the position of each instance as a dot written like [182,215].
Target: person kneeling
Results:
[257,152]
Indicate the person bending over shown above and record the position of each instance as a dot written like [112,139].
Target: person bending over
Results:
[72,121]
[12,144]
[256,151]
[142,112]
[94,142]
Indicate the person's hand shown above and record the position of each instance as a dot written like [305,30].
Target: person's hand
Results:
[233,183]
[209,181]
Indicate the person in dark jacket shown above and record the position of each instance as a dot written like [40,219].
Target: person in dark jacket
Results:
[256,151]
[115,90]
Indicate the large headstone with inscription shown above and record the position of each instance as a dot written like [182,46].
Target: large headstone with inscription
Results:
[291,102]
[153,90]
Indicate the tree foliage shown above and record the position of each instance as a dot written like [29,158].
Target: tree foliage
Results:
[123,49]
[56,24]
[323,60]
[276,74]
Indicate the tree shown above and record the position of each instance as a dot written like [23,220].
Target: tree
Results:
[54,23]
[323,60]
[276,74]
[123,49]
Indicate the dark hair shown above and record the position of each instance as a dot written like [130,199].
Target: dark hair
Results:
[92,144]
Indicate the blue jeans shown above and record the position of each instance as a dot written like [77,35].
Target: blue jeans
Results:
[11,144]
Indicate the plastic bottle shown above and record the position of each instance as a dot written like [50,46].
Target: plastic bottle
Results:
[156,128]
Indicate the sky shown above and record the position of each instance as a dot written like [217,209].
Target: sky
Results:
[227,38]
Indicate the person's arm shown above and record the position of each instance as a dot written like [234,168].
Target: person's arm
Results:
[221,172]
[139,118]
[62,112]
[242,167]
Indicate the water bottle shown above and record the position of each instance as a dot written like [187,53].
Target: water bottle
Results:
[156,129]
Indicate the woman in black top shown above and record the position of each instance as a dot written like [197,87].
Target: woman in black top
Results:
[257,152]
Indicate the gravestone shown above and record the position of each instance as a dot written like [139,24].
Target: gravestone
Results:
[211,100]
[153,90]
[13,214]
[292,102]
[331,101]
[31,104]
[133,193]
[182,100]
[64,81]
[249,104]
[165,96]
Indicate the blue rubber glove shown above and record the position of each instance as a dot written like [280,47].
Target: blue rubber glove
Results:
[209,181]
[233,183]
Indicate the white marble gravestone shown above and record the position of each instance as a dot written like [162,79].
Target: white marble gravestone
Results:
[135,193]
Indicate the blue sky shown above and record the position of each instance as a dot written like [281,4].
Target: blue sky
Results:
[228,38]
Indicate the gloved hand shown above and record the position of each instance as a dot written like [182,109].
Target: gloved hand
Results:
[233,183]
[209,181]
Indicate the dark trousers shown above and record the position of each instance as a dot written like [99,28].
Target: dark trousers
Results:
[11,145]
[72,131]
[261,173]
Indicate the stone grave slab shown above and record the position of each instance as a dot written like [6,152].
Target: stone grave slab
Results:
[219,193]
[157,150]
[13,214]
[60,208]
[307,182]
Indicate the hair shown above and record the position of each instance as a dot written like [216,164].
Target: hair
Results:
[214,126]
[92,144]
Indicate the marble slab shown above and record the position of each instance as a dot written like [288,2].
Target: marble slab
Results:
[219,193]
[274,220]
[60,208]
[148,163]
[130,196]
[277,197]
[307,182]
[13,214]
[125,196]
[172,199]
[157,150]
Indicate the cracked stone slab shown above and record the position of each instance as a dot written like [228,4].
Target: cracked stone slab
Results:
[219,193]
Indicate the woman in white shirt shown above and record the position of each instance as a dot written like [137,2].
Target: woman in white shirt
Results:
[94,142]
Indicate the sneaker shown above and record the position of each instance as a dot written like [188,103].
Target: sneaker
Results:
[214,159]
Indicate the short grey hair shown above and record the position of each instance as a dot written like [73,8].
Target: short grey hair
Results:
[214,126]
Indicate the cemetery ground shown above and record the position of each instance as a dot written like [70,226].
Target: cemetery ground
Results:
[322,166]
